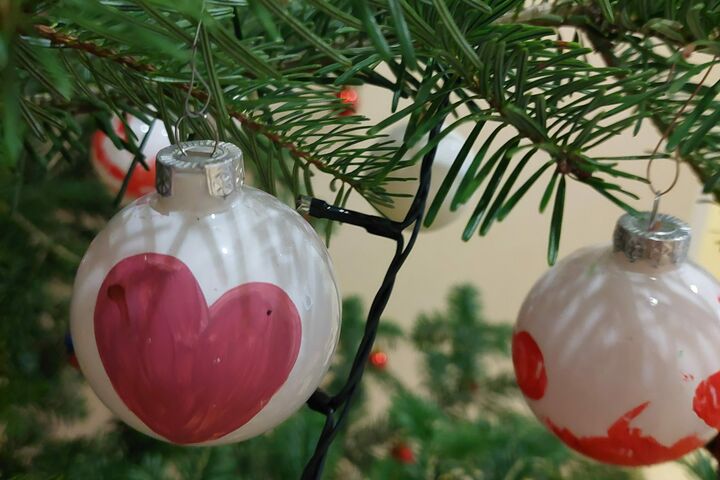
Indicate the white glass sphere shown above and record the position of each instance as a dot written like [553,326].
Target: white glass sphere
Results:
[111,163]
[617,358]
[447,151]
[205,320]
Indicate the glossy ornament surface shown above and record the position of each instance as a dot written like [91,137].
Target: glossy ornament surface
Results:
[111,163]
[619,358]
[447,151]
[209,314]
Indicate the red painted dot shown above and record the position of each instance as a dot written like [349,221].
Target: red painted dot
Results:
[706,403]
[529,365]
[625,445]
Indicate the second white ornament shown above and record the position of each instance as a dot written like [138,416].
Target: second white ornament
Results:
[616,349]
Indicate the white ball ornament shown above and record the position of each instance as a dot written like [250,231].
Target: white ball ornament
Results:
[617,349]
[208,312]
[447,150]
[111,163]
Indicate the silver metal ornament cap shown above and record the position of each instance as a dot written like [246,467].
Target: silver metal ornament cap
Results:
[220,162]
[666,242]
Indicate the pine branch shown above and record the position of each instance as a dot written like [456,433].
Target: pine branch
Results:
[705,175]
[64,40]
[69,41]
[589,18]
[499,61]
[533,15]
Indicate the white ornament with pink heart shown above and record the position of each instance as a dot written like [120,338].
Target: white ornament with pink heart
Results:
[208,312]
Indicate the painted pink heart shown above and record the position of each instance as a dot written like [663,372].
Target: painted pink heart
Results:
[189,372]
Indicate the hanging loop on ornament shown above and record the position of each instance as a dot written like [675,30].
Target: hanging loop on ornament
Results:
[656,191]
[676,155]
[648,174]
[195,76]
[216,135]
[654,212]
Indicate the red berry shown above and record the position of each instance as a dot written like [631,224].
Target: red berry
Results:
[378,359]
[350,97]
[403,454]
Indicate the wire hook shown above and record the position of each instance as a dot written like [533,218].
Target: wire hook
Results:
[657,192]
[195,76]
[648,173]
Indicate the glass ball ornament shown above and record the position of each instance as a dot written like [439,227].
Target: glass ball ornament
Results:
[616,348]
[447,150]
[111,163]
[205,313]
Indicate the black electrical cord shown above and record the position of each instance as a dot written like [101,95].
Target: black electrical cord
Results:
[336,407]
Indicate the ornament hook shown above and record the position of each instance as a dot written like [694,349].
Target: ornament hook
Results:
[648,174]
[195,76]
[654,212]
[657,192]
[666,134]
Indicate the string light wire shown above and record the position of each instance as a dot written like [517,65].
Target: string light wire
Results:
[336,407]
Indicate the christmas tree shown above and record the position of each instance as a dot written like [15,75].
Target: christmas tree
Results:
[543,85]
[439,435]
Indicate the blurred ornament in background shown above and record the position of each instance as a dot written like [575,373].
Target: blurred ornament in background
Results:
[379,359]
[206,313]
[112,163]
[402,453]
[616,349]
[351,98]
[447,151]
